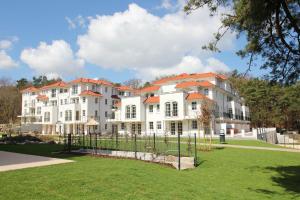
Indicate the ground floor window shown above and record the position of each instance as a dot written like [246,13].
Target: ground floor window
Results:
[133,128]
[179,126]
[172,128]
[151,125]
[122,126]
[194,124]
[158,124]
[139,129]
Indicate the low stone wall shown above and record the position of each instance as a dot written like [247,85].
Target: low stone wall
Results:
[185,162]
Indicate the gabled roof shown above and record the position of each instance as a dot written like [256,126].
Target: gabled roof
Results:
[189,76]
[196,96]
[59,84]
[42,97]
[154,99]
[194,84]
[30,89]
[149,89]
[124,88]
[90,93]
[88,80]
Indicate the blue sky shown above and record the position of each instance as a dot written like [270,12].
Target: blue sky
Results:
[35,21]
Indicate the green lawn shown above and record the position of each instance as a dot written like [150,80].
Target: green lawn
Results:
[223,174]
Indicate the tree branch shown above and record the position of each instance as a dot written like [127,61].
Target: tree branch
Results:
[289,16]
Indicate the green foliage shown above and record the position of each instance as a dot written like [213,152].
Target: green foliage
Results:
[270,104]
[272,30]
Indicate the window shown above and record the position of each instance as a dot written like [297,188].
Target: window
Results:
[132,128]
[83,113]
[68,115]
[172,128]
[122,126]
[93,87]
[66,101]
[157,107]
[133,111]
[47,117]
[194,105]
[158,125]
[25,103]
[179,127]
[230,112]
[61,102]
[54,103]
[151,108]
[60,114]
[38,110]
[229,98]
[61,90]
[65,90]
[53,93]
[127,115]
[139,127]
[105,89]
[105,126]
[77,115]
[175,112]
[96,113]
[105,113]
[168,109]
[194,124]
[151,125]
[96,100]
[74,89]
[206,92]
[83,99]
[105,101]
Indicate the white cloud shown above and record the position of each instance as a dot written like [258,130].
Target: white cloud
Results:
[53,60]
[8,43]
[6,62]
[140,41]
[78,21]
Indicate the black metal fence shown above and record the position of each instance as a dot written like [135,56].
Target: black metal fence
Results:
[159,145]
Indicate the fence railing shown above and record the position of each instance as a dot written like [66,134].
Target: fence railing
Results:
[162,145]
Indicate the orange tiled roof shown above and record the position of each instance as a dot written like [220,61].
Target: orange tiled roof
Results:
[124,88]
[59,84]
[30,89]
[88,80]
[42,97]
[196,95]
[149,89]
[90,93]
[154,99]
[194,84]
[189,76]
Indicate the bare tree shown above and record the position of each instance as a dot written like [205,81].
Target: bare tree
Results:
[204,117]
[133,83]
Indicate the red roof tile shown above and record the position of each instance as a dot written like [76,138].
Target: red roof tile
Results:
[149,89]
[154,99]
[189,76]
[59,84]
[124,88]
[90,93]
[194,84]
[30,89]
[196,95]
[88,80]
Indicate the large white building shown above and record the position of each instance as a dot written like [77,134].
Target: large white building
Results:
[169,106]
[172,105]
[68,107]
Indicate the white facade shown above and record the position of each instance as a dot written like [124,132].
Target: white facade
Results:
[173,105]
[68,107]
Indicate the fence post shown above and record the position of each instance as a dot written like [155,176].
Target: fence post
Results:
[154,146]
[83,140]
[96,143]
[195,146]
[135,146]
[117,143]
[69,142]
[90,141]
[178,151]
[65,141]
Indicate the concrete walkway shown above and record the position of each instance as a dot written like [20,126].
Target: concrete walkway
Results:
[13,161]
[255,147]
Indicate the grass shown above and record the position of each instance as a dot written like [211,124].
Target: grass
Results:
[223,174]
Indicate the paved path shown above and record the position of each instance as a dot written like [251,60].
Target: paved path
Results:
[12,161]
[255,147]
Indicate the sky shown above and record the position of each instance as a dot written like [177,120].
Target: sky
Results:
[117,40]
